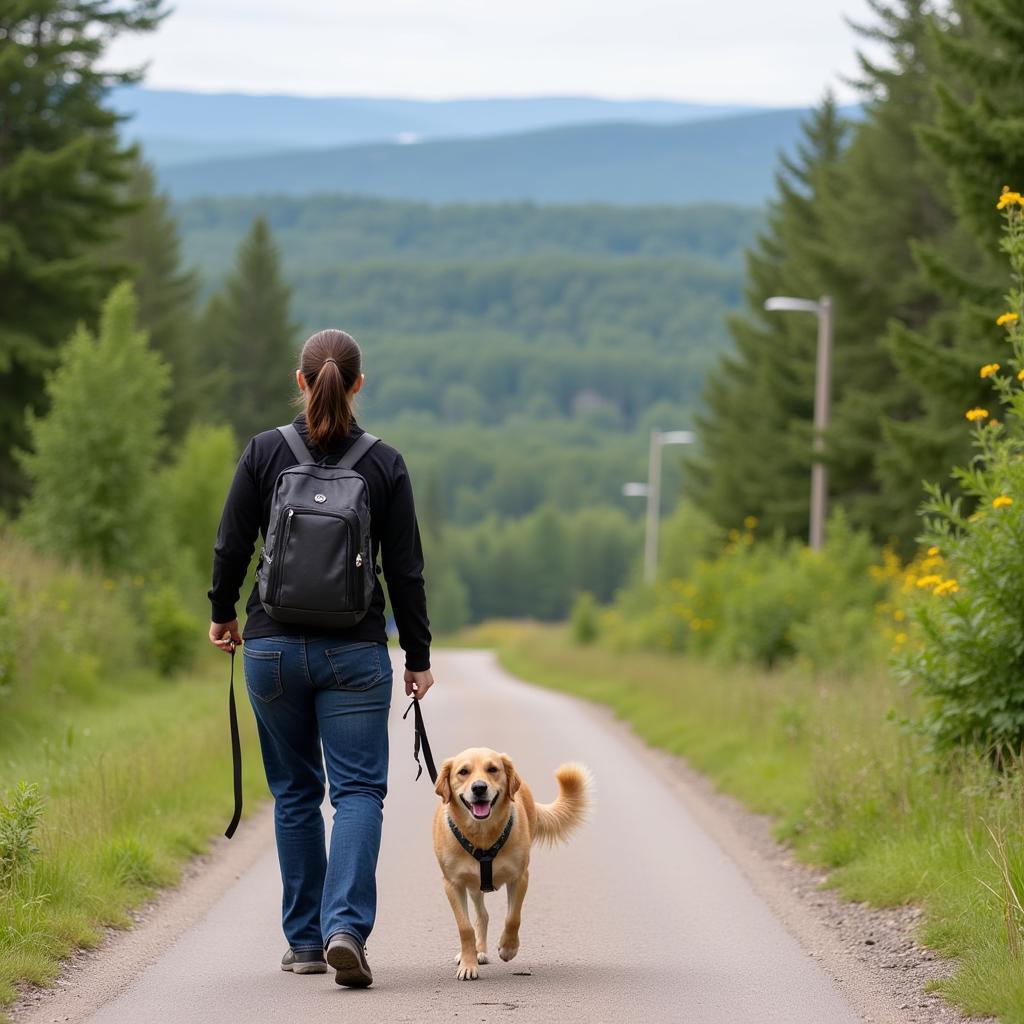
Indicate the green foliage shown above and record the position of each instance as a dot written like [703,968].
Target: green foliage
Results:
[970,652]
[61,165]
[756,439]
[171,630]
[329,230]
[95,452]
[583,619]
[8,640]
[20,813]
[766,602]
[149,247]
[250,341]
[192,490]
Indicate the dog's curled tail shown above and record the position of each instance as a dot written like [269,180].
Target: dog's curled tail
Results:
[557,821]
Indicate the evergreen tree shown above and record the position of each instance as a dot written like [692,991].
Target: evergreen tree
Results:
[889,199]
[149,246]
[94,454]
[756,432]
[250,341]
[61,165]
[976,137]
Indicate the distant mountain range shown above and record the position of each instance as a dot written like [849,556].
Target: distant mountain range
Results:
[182,127]
[730,160]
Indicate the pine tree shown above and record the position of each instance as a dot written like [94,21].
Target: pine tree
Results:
[756,433]
[250,341]
[149,246]
[94,454]
[976,138]
[889,199]
[61,165]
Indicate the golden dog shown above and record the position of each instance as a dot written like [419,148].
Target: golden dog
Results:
[485,799]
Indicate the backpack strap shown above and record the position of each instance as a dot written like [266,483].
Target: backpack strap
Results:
[295,442]
[362,444]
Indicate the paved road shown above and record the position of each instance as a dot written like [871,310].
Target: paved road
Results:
[640,918]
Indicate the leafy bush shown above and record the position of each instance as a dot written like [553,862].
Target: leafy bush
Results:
[20,814]
[192,491]
[171,630]
[768,601]
[584,619]
[969,655]
[8,640]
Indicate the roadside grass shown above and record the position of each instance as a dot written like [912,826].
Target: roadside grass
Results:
[132,767]
[133,789]
[849,786]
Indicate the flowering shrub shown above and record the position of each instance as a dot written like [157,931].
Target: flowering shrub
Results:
[968,652]
[770,601]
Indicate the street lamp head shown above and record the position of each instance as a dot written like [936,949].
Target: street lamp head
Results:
[634,490]
[789,304]
[678,437]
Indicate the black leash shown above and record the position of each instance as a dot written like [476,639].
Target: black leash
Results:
[420,741]
[236,751]
[485,857]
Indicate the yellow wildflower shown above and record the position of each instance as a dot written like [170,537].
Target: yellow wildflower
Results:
[946,587]
[932,552]
[899,615]
[929,581]
[976,414]
[1008,197]
[988,369]
[900,638]
[750,522]
[1007,318]
[1020,376]
[1003,501]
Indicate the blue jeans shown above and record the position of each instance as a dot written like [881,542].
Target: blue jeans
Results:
[308,691]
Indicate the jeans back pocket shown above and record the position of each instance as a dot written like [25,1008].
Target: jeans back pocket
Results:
[263,674]
[356,666]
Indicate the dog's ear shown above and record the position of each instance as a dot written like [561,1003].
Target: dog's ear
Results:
[514,782]
[444,781]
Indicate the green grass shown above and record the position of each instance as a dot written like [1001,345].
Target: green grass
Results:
[132,789]
[133,768]
[849,787]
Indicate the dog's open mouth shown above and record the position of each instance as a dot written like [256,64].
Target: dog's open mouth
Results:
[480,809]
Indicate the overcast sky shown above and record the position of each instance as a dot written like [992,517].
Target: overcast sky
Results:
[783,52]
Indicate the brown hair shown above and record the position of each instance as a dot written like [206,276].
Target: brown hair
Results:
[331,363]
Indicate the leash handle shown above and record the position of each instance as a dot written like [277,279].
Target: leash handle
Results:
[236,751]
[420,741]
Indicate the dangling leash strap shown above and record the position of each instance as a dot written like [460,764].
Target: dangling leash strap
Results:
[236,751]
[420,741]
[486,857]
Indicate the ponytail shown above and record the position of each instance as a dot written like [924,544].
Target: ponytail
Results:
[331,363]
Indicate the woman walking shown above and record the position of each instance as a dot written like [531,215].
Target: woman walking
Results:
[317,685]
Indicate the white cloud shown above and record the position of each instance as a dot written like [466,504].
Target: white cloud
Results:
[784,52]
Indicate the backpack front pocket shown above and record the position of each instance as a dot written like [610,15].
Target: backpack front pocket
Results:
[317,564]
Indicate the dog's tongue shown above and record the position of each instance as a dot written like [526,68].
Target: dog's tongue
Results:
[481,810]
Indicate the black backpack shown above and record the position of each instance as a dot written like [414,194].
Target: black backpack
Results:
[317,563]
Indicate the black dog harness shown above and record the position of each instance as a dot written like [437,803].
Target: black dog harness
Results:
[485,857]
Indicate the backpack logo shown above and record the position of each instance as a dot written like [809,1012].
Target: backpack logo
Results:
[319,498]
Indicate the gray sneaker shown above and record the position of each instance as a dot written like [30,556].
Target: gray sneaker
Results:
[347,956]
[306,961]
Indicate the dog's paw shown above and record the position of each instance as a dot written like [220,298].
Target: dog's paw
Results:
[508,948]
[481,958]
[467,972]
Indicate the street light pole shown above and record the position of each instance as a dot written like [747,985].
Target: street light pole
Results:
[653,494]
[822,403]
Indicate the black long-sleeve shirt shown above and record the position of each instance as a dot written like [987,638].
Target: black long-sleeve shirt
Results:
[393,529]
